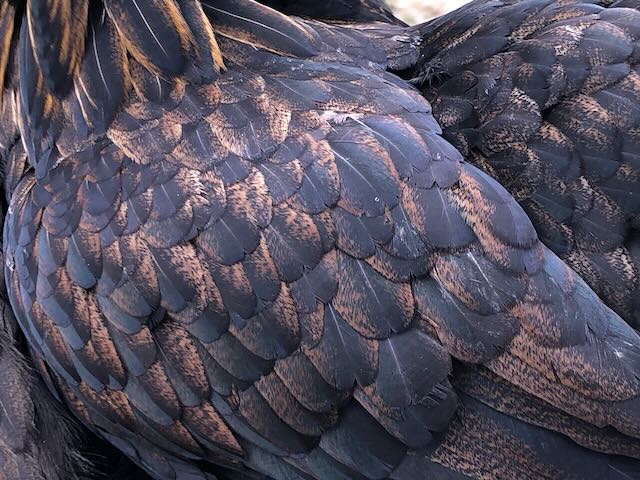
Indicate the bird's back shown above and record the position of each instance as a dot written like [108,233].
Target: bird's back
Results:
[244,246]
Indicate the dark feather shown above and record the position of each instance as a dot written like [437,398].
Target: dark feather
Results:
[7,25]
[373,306]
[281,267]
[58,34]
[154,32]
[367,184]
[362,444]
[342,356]
[404,378]
[250,22]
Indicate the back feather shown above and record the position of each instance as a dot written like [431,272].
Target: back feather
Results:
[57,30]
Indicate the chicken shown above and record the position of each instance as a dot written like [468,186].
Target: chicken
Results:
[545,97]
[241,248]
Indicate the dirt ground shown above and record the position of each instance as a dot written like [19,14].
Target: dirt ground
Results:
[416,11]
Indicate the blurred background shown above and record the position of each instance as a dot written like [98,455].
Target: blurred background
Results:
[416,11]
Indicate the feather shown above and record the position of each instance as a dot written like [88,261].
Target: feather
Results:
[154,32]
[210,60]
[406,242]
[403,143]
[274,332]
[373,306]
[411,365]
[7,19]
[342,356]
[118,317]
[238,361]
[57,29]
[262,273]
[307,385]
[37,108]
[249,22]
[294,242]
[436,219]
[360,11]
[320,187]
[362,444]
[299,94]
[358,236]
[283,180]
[368,180]
[322,465]
[261,417]
[468,335]
[140,398]
[81,268]
[100,85]
[318,284]
[284,403]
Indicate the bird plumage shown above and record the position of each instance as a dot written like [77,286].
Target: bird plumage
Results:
[253,253]
[544,96]
[337,10]
[550,107]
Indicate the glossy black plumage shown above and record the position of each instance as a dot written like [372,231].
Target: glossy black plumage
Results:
[270,264]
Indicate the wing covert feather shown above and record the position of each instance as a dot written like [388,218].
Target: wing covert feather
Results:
[238,277]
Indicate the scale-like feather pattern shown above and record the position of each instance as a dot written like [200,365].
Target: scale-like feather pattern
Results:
[237,275]
[550,107]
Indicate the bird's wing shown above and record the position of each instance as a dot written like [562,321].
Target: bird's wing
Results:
[39,439]
[275,266]
[545,96]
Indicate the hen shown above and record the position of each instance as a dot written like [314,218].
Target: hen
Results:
[238,247]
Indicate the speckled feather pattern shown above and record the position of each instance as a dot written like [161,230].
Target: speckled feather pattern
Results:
[252,249]
[549,105]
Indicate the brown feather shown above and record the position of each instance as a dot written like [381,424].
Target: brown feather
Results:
[58,32]
[7,18]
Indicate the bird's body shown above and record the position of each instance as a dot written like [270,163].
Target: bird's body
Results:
[242,248]
[545,97]
[550,107]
